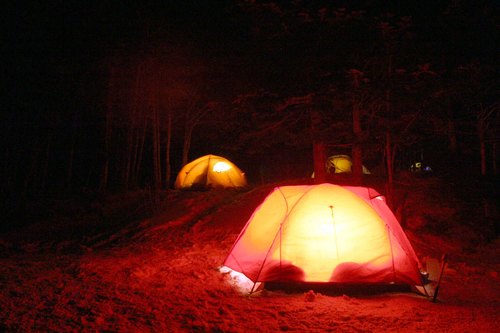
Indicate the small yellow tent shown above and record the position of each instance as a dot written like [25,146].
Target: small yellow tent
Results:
[210,171]
[341,164]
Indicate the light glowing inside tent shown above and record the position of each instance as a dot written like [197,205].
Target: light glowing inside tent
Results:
[221,167]
[332,236]
[324,233]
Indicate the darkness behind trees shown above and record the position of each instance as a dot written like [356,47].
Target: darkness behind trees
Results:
[107,97]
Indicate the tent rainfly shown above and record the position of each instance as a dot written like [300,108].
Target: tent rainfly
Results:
[324,233]
[210,171]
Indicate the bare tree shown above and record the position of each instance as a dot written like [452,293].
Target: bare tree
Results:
[357,153]
[477,92]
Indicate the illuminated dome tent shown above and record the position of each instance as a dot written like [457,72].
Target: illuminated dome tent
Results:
[210,171]
[324,233]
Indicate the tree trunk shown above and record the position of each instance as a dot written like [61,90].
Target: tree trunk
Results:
[319,157]
[108,130]
[138,125]
[128,162]
[8,165]
[187,141]
[452,133]
[131,141]
[133,158]
[69,174]
[494,159]
[168,166]
[389,161]
[104,176]
[356,150]
[194,114]
[141,140]
[30,175]
[389,153]
[156,143]
[45,167]
[357,154]
[482,144]
[319,150]
[157,181]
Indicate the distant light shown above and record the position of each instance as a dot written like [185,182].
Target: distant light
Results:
[221,167]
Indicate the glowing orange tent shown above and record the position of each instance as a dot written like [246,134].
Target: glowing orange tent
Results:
[324,233]
[210,171]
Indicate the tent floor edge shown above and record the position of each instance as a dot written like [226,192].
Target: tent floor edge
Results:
[338,289]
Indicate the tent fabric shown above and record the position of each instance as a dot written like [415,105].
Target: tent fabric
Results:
[324,233]
[210,171]
[341,164]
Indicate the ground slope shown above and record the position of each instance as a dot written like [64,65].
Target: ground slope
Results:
[161,275]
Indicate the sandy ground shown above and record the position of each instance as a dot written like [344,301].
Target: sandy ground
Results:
[161,275]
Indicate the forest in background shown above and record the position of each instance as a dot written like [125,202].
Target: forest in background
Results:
[106,98]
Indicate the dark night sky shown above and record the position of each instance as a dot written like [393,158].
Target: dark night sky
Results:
[44,34]
[40,38]
[76,29]
[54,51]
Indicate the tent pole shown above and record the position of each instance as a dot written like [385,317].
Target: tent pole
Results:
[265,259]
[392,254]
[319,157]
[334,233]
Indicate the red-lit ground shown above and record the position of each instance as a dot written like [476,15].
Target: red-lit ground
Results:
[161,276]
